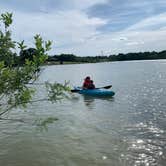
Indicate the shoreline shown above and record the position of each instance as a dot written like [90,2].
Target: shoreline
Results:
[75,63]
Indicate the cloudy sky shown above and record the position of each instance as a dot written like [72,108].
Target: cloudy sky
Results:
[89,27]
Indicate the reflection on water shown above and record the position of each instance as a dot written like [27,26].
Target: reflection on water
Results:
[127,130]
[91,100]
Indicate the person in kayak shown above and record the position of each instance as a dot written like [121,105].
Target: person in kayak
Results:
[91,85]
[86,83]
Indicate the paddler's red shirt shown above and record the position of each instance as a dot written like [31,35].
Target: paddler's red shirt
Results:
[86,84]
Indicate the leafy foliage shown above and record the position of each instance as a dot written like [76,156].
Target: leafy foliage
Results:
[7,19]
[6,43]
[57,91]
[15,75]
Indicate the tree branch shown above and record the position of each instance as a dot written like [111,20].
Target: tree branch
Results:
[13,106]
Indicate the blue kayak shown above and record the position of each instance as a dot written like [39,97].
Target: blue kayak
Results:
[96,92]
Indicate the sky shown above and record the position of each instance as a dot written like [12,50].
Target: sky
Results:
[90,27]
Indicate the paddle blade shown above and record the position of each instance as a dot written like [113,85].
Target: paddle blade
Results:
[75,90]
[107,87]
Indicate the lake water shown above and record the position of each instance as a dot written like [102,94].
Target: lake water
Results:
[126,130]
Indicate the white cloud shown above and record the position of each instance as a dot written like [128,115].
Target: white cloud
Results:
[134,43]
[65,28]
[49,5]
[139,37]
[74,32]
[146,35]
[150,23]
[83,4]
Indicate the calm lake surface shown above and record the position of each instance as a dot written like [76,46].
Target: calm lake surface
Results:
[127,130]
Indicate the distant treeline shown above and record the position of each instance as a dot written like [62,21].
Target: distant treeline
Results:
[120,57]
[139,56]
[70,58]
[73,58]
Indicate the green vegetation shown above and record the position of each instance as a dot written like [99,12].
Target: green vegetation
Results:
[70,58]
[138,56]
[18,70]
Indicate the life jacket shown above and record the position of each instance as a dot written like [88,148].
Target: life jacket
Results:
[86,84]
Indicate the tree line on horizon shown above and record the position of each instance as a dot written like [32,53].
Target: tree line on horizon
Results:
[119,57]
[30,52]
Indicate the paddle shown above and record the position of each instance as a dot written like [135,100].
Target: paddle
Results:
[105,87]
